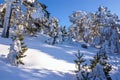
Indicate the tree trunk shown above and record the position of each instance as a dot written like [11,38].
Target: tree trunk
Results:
[6,26]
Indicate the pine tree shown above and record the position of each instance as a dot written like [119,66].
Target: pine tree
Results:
[17,50]
[53,31]
[102,60]
[37,18]
[54,36]
[64,33]
[95,61]
[23,46]
[98,73]
[79,21]
[82,72]
[79,61]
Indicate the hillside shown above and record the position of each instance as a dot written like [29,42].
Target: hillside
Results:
[48,62]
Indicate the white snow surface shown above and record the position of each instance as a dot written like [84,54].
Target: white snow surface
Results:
[47,62]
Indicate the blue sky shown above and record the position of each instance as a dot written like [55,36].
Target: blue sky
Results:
[64,8]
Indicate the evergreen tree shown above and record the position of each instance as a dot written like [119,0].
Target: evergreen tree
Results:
[54,36]
[64,33]
[102,60]
[79,61]
[17,50]
[53,31]
[79,21]
[23,49]
[37,18]
[82,72]
[98,73]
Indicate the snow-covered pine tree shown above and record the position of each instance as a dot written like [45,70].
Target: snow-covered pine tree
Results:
[23,49]
[79,61]
[18,47]
[83,75]
[82,72]
[102,60]
[95,61]
[54,31]
[79,21]
[37,18]
[98,73]
[30,27]
[73,32]
[17,50]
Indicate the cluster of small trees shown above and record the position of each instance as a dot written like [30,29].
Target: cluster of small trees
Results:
[100,29]
[98,69]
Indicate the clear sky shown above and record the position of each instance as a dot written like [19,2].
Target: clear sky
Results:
[64,8]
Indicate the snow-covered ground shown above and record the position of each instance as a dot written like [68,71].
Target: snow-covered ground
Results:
[47,62]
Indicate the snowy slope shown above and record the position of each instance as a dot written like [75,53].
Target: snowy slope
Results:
[47,62]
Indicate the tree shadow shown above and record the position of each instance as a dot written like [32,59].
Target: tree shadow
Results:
[46,74]
[64,52]
[5,41]
[3,58]
[8,72]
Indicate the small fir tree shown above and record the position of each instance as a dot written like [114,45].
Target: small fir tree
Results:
[96,59]
[82,72]
[17,50]
[23,49]
[79,60]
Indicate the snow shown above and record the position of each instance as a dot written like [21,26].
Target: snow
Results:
[39,64]
[31,1]
[98,73]
[37,13]
[48,62]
